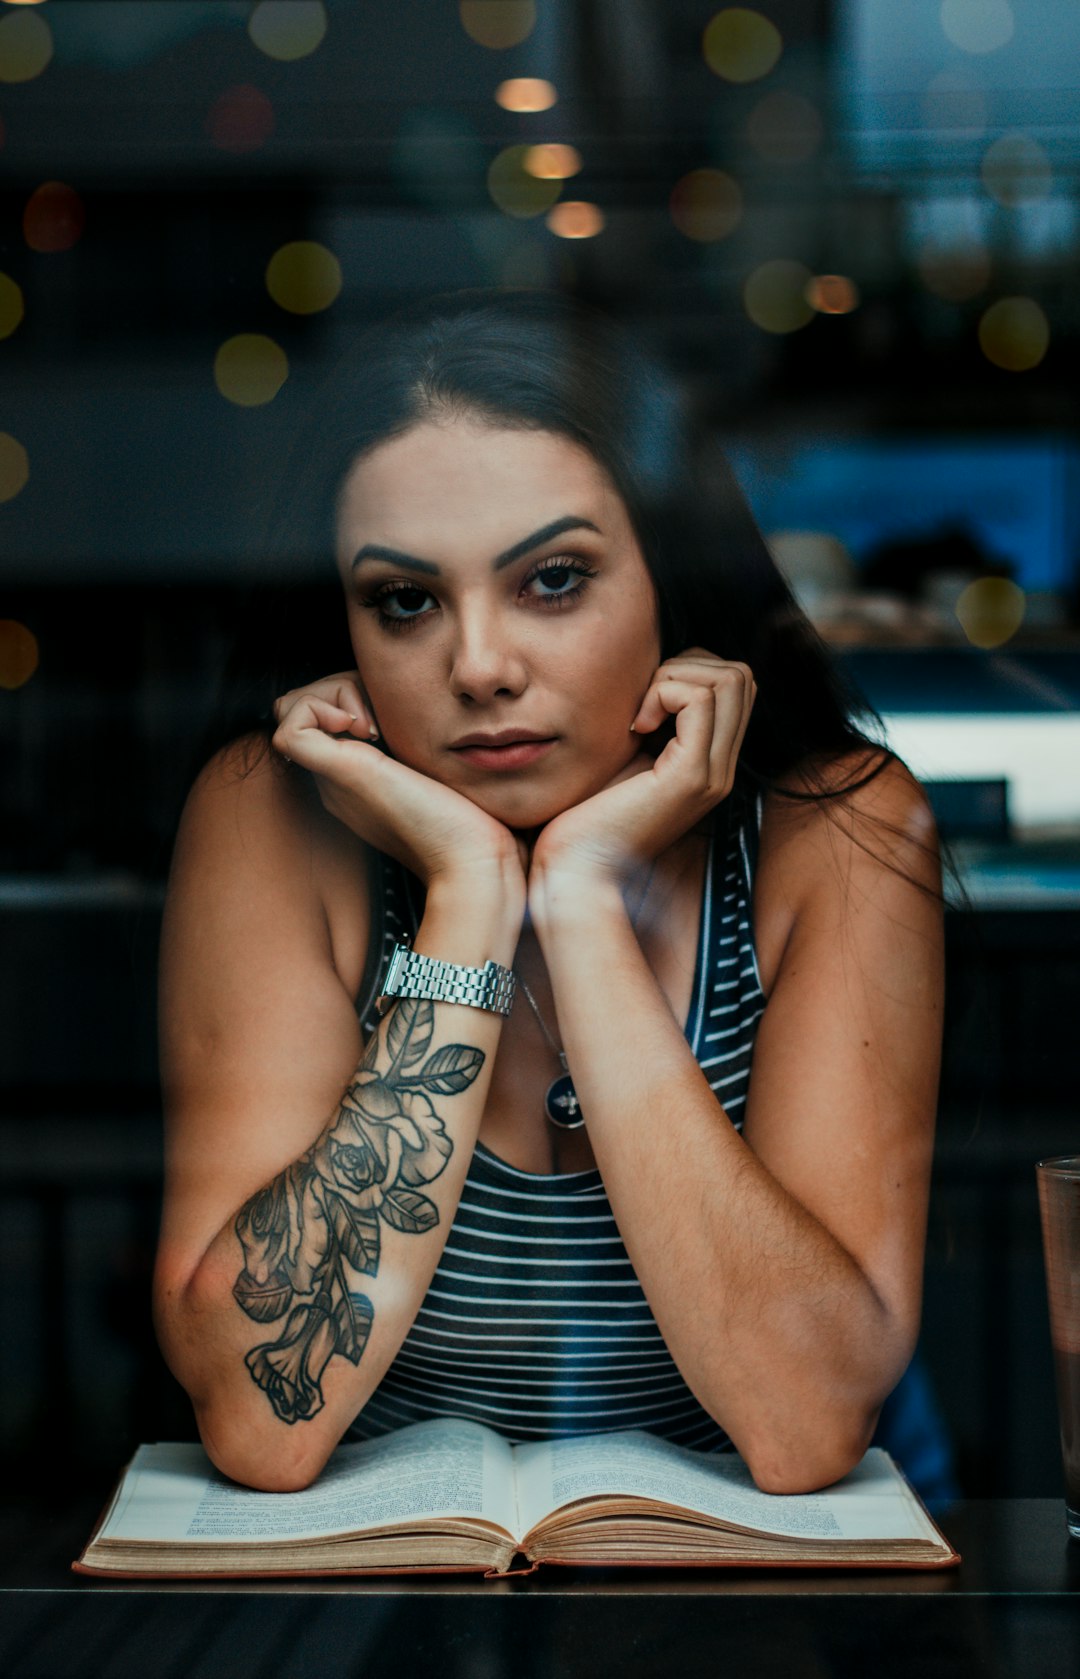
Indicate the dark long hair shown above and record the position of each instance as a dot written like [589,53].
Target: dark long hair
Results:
[543,361]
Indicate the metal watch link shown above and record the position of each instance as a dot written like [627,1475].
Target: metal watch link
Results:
[411,975]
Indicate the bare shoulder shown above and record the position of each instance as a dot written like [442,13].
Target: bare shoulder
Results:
[872,839]
[255,831]
[852,816]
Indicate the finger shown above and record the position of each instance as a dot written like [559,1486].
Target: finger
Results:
[310,721]
[350,699]
[342,690]
[694,656]
[715,673]
[693,707]
[710,722]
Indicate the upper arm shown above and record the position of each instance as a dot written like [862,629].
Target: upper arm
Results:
[258,1030]
[843,1089]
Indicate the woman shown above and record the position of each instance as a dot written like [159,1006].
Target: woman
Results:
[591,748]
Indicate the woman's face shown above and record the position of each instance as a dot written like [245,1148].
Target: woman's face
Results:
[495,585]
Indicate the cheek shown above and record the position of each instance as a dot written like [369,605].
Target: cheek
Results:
[615,668]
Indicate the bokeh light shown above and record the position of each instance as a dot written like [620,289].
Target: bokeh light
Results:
[552,162]
[19,653]
[1016,170]
[741,45]
[514,190]
[785,128]
[287,29]
[954,273]
[706,205]
[498,23]
[241,119]
[832,294]
[953,102]
[774,296]
[54,217]
[1014,334]
[303,277]
[576,219]
[250,369]
[526,93]
[12,307]
[26,46]
[977,26]
[14,466]
[990,610]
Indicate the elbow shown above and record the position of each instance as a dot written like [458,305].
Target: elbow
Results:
[239,1435]
[809,1463]
[245,1455]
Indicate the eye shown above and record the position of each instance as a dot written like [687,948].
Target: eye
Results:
[560,579]
[398,604]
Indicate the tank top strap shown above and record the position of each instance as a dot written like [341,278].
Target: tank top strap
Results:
[752,806]
[744,816]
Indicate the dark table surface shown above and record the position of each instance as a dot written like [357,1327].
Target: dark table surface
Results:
[1012,1607]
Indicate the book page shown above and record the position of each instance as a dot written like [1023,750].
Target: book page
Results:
[872,1502]
[432,1469]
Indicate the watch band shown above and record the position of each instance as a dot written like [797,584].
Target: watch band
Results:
[411,975]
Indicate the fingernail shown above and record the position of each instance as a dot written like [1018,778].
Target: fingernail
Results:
[373,733]
[633,731]
[351,715]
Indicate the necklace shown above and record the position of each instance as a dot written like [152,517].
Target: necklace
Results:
[561,1103]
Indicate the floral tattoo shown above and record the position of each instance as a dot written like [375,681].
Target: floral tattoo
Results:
[320,1218]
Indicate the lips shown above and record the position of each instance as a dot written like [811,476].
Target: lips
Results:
[505,737]
[512,749]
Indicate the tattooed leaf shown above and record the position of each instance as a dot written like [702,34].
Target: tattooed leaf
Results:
[450,1070]
[263,1301]
[409,1212]
[409,1032]
[353,1316]
[357,1234]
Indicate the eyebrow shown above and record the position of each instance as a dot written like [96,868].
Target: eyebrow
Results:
[546,533]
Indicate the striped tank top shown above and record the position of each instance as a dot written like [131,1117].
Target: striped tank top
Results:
[535,1321]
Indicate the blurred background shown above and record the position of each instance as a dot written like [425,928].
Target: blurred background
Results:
[853,226]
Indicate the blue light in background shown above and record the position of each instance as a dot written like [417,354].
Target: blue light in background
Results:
[1018,498]
[889,56]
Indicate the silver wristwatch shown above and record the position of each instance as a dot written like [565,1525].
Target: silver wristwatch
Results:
[412,975]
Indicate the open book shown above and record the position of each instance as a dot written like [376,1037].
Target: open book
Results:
[455,1495]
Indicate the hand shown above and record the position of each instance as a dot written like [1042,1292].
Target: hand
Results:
[329,728]
[654,801]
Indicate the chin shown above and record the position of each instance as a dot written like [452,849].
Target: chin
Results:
[522,808]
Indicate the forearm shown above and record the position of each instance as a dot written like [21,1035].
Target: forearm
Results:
[300,1302]
[773,1324]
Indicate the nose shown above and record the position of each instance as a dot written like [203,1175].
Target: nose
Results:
[485,661]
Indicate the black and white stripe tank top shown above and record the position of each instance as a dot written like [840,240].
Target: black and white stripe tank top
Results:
[535,1321]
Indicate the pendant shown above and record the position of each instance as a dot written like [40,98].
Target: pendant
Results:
[562,1106]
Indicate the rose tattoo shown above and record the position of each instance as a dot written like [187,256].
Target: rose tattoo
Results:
[321,1218]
